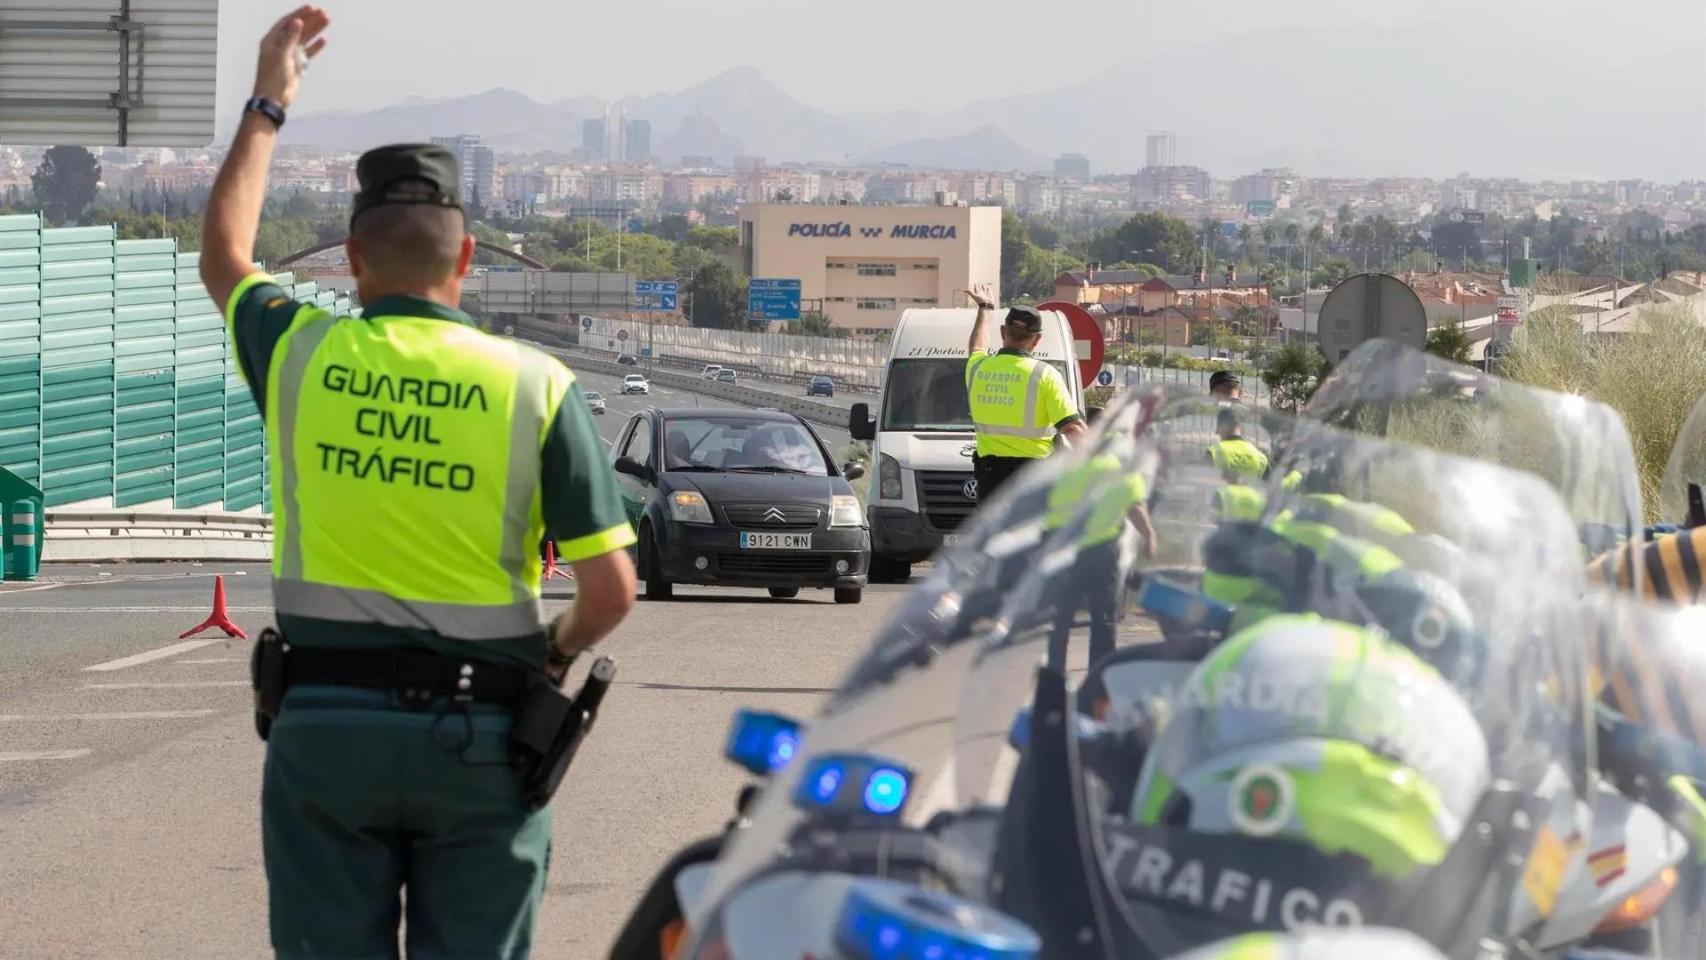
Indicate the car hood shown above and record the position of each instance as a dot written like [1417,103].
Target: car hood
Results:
[761,487]
[927,450]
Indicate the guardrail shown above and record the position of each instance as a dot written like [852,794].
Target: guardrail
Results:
[827,414]
[83,536]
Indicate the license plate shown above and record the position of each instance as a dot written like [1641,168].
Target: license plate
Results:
[775,541]
[952,539]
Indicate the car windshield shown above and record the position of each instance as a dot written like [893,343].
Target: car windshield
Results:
[930,394]
[593,395]
[635,378]
[737,443]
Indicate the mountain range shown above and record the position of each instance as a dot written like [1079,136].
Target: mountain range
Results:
[1328,104]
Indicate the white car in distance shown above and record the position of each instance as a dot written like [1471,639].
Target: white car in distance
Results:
[635,383]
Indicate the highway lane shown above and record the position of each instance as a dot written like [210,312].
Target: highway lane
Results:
[129,768]
[620,408]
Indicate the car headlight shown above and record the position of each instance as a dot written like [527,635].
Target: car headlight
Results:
[688,506]
[888,478]
[844,512]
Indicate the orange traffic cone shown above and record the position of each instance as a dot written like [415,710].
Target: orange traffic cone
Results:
[219,617]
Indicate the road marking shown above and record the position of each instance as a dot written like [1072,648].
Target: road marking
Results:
[167,685]
[170,650]
[201,609]
[18,757]
[134,715]
[218,660]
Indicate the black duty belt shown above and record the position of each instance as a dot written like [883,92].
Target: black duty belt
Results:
[417,677]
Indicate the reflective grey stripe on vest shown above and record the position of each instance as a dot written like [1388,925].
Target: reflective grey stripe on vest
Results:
[971,368]
[299,349]
[1039,370]
[527,426]
[1028,433]
[454,620]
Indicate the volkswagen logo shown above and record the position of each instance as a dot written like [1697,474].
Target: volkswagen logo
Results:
[968,450]
[775,515]
[969,491]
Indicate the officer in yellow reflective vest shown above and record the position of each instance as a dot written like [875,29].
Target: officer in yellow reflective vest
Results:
[1019,403]
[1237,458]
[1115,495]
[416,465]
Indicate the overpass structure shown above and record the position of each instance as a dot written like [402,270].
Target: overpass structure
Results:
[539,293]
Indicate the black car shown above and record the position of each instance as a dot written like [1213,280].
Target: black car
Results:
[748,498]
[628,360]
[820,387]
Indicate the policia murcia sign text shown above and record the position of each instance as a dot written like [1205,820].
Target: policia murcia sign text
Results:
[412,424]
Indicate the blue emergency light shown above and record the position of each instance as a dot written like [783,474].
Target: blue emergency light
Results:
[853,784]
[762,743]
[885,920]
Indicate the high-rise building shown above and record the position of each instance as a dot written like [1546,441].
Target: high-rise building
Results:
[639,141]
[1072,166]
[1161,149]
[479,166]
[592,137]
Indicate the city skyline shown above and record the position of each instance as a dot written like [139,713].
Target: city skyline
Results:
[1322,84]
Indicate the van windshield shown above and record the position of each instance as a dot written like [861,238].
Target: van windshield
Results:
[930,394]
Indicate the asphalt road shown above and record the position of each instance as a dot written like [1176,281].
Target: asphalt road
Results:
[130,771]
[620,408]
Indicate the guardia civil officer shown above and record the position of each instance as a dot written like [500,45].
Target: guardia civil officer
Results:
[416,465]
[1018,402]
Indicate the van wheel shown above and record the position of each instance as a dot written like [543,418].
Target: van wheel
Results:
[784,593]
[889,570]
[848,594]
[651,568]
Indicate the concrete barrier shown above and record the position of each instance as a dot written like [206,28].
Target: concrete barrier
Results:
[88,536]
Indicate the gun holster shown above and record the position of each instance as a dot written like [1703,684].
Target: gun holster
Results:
[548,728]
[266,678]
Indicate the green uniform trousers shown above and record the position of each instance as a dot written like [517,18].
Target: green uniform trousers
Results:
[363,799]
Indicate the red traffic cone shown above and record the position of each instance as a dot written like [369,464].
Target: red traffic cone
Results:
[219,617]
[551,570]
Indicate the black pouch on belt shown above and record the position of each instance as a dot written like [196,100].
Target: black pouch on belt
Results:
[548,729]
[266,677]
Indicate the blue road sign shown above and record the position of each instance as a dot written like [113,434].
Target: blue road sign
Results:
[586,323]
[1105,378]
[657,295]
[773,299]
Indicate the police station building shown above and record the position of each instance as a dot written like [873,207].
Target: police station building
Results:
[863,265]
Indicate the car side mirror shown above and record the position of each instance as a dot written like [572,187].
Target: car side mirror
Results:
[635,468]
[859,422]
[853,471]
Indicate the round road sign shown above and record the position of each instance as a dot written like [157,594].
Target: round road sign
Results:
[1088,344]
[621,334]
[1105,378]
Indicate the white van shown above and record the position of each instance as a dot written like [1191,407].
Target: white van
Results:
[922,439]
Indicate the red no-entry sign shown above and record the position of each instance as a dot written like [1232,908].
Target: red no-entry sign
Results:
[1089,347]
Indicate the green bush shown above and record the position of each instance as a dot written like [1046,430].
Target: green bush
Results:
[1651,376]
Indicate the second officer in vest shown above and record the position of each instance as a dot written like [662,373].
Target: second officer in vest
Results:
[1018,402]
[416,464]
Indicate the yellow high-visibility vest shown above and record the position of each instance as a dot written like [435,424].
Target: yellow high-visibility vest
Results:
[1017,402]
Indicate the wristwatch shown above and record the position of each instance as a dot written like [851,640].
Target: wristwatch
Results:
[266,108]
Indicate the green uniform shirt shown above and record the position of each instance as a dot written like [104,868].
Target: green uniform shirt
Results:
[1018,403]
[579,498]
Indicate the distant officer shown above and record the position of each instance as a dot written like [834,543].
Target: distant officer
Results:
[1019,403]
[1108,495]
[1237,458]
[416,465]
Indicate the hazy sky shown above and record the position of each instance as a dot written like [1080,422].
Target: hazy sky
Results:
[1482,57]
[881,54]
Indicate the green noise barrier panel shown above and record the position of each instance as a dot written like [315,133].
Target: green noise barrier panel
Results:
[117,386]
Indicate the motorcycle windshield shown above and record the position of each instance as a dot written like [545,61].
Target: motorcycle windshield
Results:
[1685,471]
[974,783]
[1382,718]
[1580,447]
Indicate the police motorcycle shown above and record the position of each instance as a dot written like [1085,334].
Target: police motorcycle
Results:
[952,800]
[961,591]
[1582,449]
